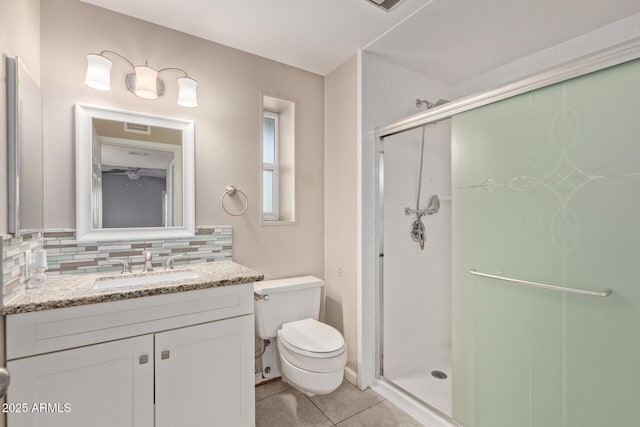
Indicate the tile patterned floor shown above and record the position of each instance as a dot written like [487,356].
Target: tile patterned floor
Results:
[279,405]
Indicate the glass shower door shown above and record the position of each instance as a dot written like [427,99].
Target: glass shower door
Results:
[546,189]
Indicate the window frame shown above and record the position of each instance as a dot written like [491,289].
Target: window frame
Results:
[273,215]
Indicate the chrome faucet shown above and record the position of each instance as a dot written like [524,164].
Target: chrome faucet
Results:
[169,265]
[148,266]
[126,268]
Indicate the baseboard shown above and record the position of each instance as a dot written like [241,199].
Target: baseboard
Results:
[422,413]
[351,376]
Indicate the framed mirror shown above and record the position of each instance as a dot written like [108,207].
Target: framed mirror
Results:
[24,140]
[134,175]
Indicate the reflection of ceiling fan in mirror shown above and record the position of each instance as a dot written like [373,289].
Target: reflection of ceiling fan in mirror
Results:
[132,173]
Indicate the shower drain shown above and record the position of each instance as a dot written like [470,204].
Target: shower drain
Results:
[439,375]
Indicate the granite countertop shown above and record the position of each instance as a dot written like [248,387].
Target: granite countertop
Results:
[78,289]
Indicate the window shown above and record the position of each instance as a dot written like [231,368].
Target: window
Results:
[278,157]
[270,166]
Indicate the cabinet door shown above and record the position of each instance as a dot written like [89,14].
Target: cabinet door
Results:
[103,385]
[204,375]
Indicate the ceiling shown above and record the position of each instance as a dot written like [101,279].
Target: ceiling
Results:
[315,35]
[449,40]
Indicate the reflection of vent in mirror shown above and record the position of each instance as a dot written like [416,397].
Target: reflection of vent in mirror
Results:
[137,153]
[137,128]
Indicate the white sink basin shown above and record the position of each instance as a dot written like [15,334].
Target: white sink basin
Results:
[149,279]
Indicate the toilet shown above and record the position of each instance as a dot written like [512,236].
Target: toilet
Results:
[310,355]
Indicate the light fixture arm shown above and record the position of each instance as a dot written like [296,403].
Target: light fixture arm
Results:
[110,52]
[174,69]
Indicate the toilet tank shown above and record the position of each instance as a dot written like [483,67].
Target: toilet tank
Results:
[290,299]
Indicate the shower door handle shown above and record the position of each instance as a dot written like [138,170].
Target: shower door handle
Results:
[600,294]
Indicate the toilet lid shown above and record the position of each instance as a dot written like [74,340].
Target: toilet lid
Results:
[312,336]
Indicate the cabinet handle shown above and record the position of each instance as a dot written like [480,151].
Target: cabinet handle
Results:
[144,359]
[164,355]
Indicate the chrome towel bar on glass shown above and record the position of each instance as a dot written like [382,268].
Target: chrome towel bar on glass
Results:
[600,294]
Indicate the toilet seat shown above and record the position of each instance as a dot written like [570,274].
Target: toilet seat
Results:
[312,338]
[297,340]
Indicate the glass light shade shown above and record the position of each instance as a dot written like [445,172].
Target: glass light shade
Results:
[146,82]
[187,95]
[98,72]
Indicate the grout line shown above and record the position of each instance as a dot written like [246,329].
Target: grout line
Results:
[359,412]
[321,411]
[275,394]
[333,424]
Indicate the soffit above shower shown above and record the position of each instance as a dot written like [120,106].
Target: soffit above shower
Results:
[454,40]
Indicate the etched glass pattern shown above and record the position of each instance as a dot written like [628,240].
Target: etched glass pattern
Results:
[545,189]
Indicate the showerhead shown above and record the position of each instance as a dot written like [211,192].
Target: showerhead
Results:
[419,103]
[440,102]
[429,104]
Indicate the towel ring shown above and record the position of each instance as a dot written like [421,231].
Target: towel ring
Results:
[231,191]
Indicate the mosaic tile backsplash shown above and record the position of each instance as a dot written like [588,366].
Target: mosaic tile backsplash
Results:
[13,261]
[65,255]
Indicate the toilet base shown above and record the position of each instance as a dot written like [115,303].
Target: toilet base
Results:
[310,383]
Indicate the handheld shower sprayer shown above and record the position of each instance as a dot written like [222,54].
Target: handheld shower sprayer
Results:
[417,227]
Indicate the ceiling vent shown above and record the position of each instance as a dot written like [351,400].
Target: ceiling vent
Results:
[385,4]
[137,128]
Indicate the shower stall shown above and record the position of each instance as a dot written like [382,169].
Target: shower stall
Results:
[521,307]
[416,335]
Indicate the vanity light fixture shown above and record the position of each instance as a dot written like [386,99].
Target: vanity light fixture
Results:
[144,81]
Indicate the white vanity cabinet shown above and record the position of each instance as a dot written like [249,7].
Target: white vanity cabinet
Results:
[174,360]
[100,386]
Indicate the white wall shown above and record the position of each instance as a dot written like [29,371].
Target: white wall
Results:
[227,125]
[341,199]
[388,93]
